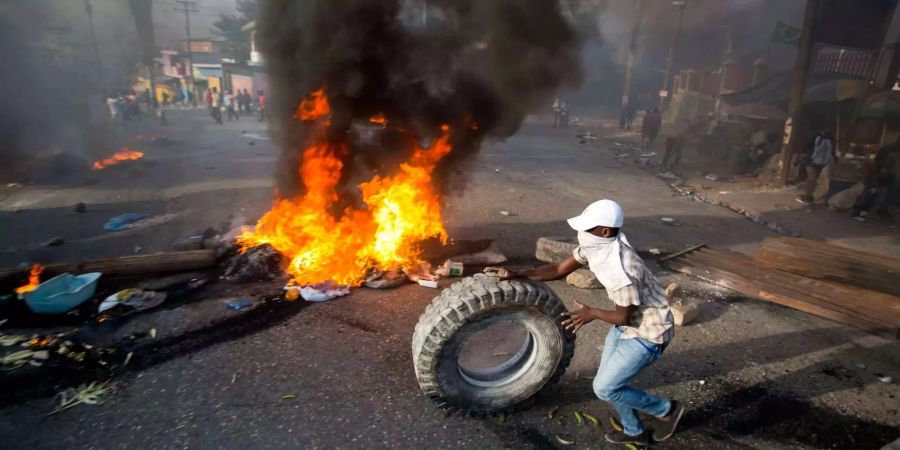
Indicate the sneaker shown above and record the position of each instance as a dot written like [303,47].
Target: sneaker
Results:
[666,426]
[619,437]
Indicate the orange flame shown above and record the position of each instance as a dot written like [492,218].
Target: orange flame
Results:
[126,154]
[313,107]
[34,279]
[379,119]
[401,210]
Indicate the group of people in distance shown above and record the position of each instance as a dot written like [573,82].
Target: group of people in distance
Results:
[234,104]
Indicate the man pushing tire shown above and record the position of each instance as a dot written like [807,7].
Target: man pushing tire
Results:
[642,325]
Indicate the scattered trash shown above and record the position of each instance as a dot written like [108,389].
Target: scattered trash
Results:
[240,304]
[153,333]
[552,412]
[712,177]
[54,241]
[504,213]
[289,397]
[80,207]
[428,283]
[561,441]
[702,382]
[579,420]
[132,300]
[13,185]
[649,155]
[496,170]
[138,248]
[614,423]
[654,251]
[124,221]
[499,272]
[377,279]
[90,394]
[233,378]
[591,418]
[450,269]
[885,379]
[127,359]
[191,243]
[323,291]
[61,293]
[669,221]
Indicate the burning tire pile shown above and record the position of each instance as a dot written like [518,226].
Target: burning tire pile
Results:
[471,305]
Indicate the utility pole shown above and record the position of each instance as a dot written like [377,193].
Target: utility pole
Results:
[89,10]
[798,88]
[663,101]
[188,7]
[632,49]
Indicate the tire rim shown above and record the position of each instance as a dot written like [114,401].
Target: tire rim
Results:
[506,371]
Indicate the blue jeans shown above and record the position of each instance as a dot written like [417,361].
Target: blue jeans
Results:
[622,360]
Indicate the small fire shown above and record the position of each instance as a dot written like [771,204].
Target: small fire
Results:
[313,107]
[125,154]
[34,279]
[401,210]
[379,119]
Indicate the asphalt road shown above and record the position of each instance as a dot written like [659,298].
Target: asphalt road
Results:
[754,375]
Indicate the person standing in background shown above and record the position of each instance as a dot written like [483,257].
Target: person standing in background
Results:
[823,154]
[217,105]
[262,106]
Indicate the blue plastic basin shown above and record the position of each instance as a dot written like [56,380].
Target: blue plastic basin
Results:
[61,293]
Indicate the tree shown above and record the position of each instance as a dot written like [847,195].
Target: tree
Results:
[230,27]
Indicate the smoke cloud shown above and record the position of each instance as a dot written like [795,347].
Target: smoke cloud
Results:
[455,62]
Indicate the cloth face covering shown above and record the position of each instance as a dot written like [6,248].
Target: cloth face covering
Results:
[604,259]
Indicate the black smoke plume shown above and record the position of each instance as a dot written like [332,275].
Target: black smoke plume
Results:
[451,62]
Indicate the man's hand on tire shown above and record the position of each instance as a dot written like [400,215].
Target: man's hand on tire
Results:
[501,272]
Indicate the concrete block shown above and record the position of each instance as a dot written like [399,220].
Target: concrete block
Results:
[684,314]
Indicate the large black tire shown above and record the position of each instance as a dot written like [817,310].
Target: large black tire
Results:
[471,305]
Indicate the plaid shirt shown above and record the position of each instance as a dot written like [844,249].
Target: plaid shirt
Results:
[651,320]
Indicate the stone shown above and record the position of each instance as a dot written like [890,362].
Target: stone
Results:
[584,278]
[673,291]
[684,314]
[80,207]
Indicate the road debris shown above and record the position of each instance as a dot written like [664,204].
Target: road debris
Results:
[579,420]
[80,208]
[428,283]
[152,333]
[54,241]
[240,304]
[289,397]
[124,221]
[128,301]
[61,293]
[504,213]
[91,394]
[552,412]
[377,279]
[259,263]
[591,418]
[562,441]
[323,291]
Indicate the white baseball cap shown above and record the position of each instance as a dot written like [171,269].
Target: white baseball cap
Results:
[602,213]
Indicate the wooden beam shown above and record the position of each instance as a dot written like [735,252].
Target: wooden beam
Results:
[151,264]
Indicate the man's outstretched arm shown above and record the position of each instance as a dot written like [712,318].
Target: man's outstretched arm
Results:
[543,273]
